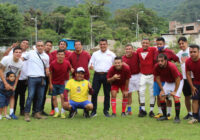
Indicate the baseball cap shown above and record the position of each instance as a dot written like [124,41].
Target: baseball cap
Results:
[80,69]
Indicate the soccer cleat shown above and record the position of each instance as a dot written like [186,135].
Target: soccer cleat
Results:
[169,116]
[106,114]
[187,117]
[158,115]
[62,116]
[113,115]
[162,118]
[93,114]
[56,115]
[52,112]
[8,117]
[193,121]
[177,120]
[142,113]
[72,114]
[86,114]
[129,113]
[123,114]
[151,114]
[13,116]
[44,113]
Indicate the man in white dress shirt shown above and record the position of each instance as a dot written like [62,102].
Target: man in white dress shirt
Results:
[101,61]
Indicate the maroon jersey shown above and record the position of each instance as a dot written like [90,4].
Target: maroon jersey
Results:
[132,62]
[124,73]
[194,67]
[167,74]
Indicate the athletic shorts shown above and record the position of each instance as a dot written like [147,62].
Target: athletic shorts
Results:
[4,101]
[169,87]
[81,105]
[186,88]
[156,88]
[116,88]
[58,89]
[134,83]
[196,96]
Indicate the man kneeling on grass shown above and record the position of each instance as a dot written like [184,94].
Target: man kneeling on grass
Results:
[168,72]
[118,76]
[78,88]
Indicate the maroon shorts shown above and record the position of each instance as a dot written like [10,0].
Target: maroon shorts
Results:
[116,88]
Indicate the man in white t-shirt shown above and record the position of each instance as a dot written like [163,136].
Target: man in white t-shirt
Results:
[11,63]
[37,69]
[183,55]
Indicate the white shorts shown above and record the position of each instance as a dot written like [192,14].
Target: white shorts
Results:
[134,83]
[169,87]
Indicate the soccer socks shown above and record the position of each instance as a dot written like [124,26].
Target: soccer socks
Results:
[177,108]
[129,108]
[124,103]
[163,106]
[169,110]
[160,110]
[11,111]
[113,103]
[62,110]
[56,109]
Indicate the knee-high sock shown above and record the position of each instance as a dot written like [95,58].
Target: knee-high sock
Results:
[124,103]
[113,103]
[163,106]
[177,108]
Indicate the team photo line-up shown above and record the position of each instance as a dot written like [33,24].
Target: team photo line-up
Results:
[39,70]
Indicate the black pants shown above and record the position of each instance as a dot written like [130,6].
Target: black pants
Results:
[96,85]
[20,91]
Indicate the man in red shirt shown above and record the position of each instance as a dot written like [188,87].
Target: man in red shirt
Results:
[162,48]
[131,59]
[193,66]
[80,58]
[168,72]
[119,75]
[58,70]
[146,58]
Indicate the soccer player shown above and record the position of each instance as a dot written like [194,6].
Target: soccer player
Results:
[58,70]
[131,59]
[183,55]
[119,75]
[78,89]
[146,58]
[162,48]
[193,66]
[168,72]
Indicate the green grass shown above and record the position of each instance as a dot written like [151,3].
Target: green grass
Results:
[100,128]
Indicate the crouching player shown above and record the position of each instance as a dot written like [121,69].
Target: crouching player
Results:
[167,71]
[119,75]
[78,89]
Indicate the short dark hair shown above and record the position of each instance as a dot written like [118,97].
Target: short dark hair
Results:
[62,41]
[49,41]
[25,39]
[60,51]
[129,45]
[162,55]
[184,39]
[160,39]
[17,48]
[118,58]
[77,41]
[9,73]
[146,39]
[103,39]
[194,46]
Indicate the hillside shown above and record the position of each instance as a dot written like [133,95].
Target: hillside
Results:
[163,7]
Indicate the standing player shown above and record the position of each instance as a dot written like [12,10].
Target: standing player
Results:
[168,72]
[183,55]
[146,58]
[119,75]
[193,66]
[131,59]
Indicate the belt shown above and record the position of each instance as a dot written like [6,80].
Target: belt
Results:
[101,72]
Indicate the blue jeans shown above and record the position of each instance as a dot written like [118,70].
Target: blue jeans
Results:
[36,85]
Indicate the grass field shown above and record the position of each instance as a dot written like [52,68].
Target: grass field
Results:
[100,127]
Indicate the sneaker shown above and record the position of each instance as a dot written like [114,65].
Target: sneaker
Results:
[177,120]
[123,114]
[93,114]
[86,114]
[72,114]
[44,113]
[13,116]
[193,121]
[162,118]
[158,115]
[151,114]
[187,117]
[27,117]
[8,117]
[52,112]
[142,113]
[106,114]
[169,116]
[129,113]
[56,115]
[113,115]
[39,116]
[62,116]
